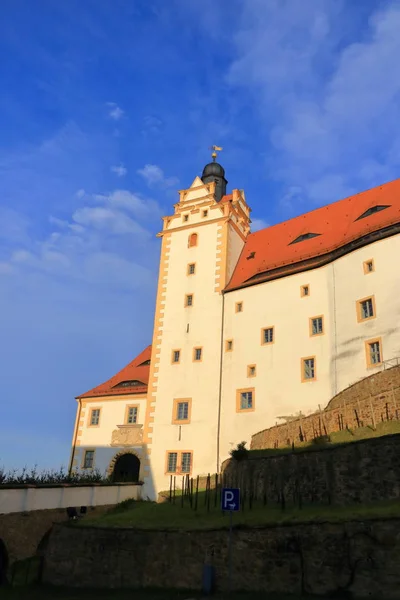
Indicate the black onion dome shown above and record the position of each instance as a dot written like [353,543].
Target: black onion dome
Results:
[213,169]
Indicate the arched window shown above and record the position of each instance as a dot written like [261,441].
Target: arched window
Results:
[192,240]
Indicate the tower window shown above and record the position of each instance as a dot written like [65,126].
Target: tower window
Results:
[176,356]
[192,240]
[373,210]
[228,345]
[197,354]
[191,268]
[239,307]
[189,300]
[251,370]
[186,218]
[366,309]
[205,213]
[181,411]
[316,326]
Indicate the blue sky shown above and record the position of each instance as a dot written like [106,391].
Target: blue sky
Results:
[107,108]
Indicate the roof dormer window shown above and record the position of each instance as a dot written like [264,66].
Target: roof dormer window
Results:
[304,236]
[130,383]
[373,210]
[145,363]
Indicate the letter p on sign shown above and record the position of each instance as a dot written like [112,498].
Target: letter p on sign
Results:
[230,499]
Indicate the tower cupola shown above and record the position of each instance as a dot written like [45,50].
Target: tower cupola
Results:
[213,172]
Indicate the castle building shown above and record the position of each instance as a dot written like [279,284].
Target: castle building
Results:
[248,328]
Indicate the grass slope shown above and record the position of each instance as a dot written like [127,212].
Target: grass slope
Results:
[150,515]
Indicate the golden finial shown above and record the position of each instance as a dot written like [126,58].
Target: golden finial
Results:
[215,149]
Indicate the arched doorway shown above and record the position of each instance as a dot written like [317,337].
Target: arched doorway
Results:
[3,563]
[126,468]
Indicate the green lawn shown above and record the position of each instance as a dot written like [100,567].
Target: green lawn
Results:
[150,515]
[337,438]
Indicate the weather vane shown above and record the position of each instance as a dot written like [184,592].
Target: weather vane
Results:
[215,149]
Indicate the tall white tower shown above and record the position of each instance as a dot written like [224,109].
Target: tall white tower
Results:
[201,243]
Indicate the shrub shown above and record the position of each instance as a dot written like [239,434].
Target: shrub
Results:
[49,476]
[240,452]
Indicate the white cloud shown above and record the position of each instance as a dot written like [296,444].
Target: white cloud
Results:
[80,193]
[115,112]
[257,224]
[328,94]
[119,170]
[111,220]
[133,203]
[154,176]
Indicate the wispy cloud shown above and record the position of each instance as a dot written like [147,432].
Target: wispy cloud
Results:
[154,176]
[119,170]
[115,111]
[328,96]
[257,224]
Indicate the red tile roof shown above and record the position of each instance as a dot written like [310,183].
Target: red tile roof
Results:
[336,223]
[133,371]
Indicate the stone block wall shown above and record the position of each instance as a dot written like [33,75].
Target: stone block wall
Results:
[361,472]
[354,559]
[367,402]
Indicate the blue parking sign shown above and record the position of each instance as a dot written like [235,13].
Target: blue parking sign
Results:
[231,499]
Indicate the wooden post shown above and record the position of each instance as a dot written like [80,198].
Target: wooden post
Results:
[372,413]
[360,413]
[183,490]
[197,493]
[170,489]
[216,490]
[174,487]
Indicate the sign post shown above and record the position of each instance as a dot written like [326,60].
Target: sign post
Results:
[230,501]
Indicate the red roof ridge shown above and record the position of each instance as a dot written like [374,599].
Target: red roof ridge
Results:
[337,224]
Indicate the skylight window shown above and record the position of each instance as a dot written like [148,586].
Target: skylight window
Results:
[145,363]
[130,383]
[373,210]
[304,236]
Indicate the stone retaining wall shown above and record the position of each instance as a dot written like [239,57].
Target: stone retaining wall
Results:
[367,402]
[359,558]
[361,472]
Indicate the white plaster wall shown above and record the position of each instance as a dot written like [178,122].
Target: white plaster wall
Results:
[43,498]
[104,455]
[112,414]
[196,380]
[340,352]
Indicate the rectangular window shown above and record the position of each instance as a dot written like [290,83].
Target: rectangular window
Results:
[374,352]
[191,269]
[189,300]
[186,218]
[316,325]
[172,462]
[182,412]
[228,345]
[176,356]
[267,335]
[304,290]
[179,462]
[369,266]
[239,307]
[366,309]
[205,213]
[94,417]
[251,370]
[131,416]
[308,369]
[186,462]
[88,460]
[181,409]
[245,400]
[197,354]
